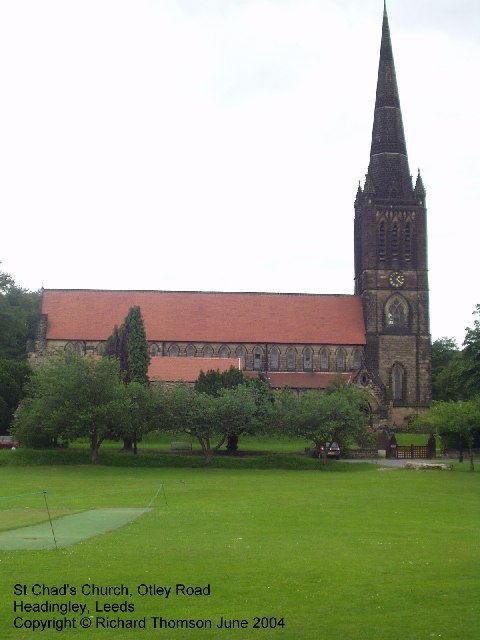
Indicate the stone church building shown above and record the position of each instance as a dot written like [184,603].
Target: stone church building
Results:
[377,338]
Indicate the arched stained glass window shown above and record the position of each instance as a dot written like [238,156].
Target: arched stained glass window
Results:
[207,351]
[174,351]
[357,359]
[324,360]
[396,315]
[341,360]
[291,359]
[398,382]
[274,359]
[242,354]
[224,352]
[78,347]
[191,351]
[308,359]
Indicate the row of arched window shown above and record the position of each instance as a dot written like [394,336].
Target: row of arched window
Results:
[324,360]
[292,359]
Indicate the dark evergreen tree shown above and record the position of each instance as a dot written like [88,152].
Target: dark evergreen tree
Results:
[134,342]
[129,345]
[112,345]
[213,381]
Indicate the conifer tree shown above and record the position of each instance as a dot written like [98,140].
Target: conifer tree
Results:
[129,345]
[134,343]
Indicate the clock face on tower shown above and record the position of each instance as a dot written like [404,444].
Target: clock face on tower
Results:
[396,279]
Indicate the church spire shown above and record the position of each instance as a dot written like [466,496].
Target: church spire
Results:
[388,170]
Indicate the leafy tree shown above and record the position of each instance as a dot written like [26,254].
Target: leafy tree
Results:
[456,373]
[471,356]
[18,317]
[13,376]
[145,411]
[208,418]
[448,383]
[264,396]
[215,382]
[212,382]
[458,423]
[443,350]
[70,397]
[338,415]
[447,370]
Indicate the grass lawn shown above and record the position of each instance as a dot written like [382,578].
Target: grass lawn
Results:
[354,552]
[161,442]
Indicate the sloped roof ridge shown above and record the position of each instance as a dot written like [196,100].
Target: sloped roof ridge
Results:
[237,293]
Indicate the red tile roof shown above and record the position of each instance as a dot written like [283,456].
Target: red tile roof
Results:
[187,369]
[301,379]
[207,317]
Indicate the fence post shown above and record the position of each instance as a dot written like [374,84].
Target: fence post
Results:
[392,447]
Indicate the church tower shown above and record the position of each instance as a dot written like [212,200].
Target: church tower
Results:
[391,258]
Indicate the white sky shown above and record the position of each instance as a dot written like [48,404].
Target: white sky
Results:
[217,145]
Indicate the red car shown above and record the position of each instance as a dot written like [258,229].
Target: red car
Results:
[8,442]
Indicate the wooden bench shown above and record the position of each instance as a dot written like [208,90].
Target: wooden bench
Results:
[183,447]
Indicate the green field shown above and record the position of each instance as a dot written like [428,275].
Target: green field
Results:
[352,552]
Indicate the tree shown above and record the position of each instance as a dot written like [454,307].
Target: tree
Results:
[449,383]
[264,397]
[212,382]
[445,380]
[18,317]
[130,347]
[339,414]
[208,418]
[458,423]
[129,344]
[70,397]
[13,376]
[215,382]
[145,411]
[471,356]
[443,350]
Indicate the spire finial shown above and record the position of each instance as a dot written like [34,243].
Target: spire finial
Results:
[385,7]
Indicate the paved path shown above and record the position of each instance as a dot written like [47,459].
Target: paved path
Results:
[393,462]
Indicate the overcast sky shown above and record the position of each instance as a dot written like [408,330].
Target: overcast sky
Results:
[217,145]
